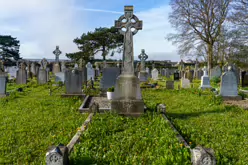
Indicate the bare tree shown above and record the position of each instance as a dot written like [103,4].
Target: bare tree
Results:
[197,21]
[239,14]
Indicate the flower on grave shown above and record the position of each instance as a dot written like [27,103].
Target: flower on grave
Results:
[181,145]
[78,129]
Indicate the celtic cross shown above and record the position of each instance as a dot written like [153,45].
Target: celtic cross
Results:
[57,52]
[143,56]
[128,25]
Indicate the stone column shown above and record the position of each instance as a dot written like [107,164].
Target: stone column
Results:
[127,96]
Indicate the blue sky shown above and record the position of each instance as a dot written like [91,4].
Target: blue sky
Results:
[40,25]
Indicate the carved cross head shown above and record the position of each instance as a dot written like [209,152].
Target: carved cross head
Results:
[143,56]
[128,22]
[57,52]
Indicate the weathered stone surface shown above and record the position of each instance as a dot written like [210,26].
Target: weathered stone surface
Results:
[161,108]
[56,68]
[155,74]
[90,71]
[57,156]
[169,84]
[109,77]
[127,96]
[185,83]
[143,76]
[205,81]
[3,84]
[42,76]
[73,81]
[21,77]
[229,86]
[202,156]
[57,52]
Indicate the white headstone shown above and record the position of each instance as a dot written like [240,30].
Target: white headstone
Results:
[185,83]
[90,71]
[154,74]
[205,81]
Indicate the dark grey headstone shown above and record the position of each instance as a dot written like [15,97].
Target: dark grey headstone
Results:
[109,77]
[176,76]
[229,85]
[3,83]
[73,81]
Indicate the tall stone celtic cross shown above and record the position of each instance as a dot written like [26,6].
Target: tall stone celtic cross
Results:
[128,25]
[57,52]
[143,56]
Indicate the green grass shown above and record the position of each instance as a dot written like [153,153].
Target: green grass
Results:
[31,121]
[204,120]
[112,139]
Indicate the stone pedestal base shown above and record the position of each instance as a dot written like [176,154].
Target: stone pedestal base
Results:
[128,107]
[232,97]
[143,76]
[56,68]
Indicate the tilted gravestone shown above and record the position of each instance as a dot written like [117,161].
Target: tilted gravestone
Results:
[73,81]
[42,73]
[21,74]
[127,98]
[143,75]
[148,72]
[33,69]
[229,85]
[109,76]
[205,81]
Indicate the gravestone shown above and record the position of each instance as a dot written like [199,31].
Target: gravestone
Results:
[143,75]
[148,72]
[199,73]
[216,72]
[244,79]
[21,77]
[127,98]
[169,84]
[33,69]
[176,76]
[109,76]
[56,66]
[205,81]
[63,67]
[185,83]
[229,85]
[155,74]
[137,69]
[3,80]
[42,73]
[73,81]
[167,73]
[12,71]
[196,69]
[90,71]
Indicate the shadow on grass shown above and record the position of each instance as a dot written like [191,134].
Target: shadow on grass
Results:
[86,160]
[197,114]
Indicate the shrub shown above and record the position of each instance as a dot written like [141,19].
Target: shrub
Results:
[111,89]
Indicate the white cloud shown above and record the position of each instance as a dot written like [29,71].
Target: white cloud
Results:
[152,37]
[40,25]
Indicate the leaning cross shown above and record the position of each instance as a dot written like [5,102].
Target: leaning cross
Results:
[143,56]
[57,52]
[131,24]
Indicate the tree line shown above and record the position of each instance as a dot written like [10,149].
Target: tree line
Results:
[215,30]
